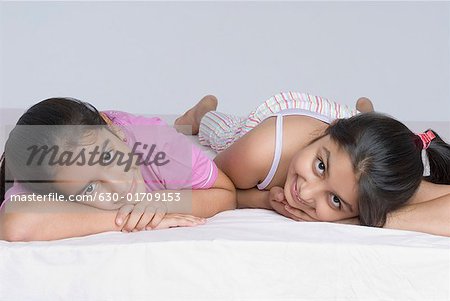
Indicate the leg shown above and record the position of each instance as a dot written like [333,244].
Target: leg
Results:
[193,116]
[219,130]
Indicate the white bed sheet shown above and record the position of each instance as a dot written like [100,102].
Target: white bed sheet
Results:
[240,254]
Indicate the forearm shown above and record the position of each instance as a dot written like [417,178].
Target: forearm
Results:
[207,203]
[58,220]
[220,197]
[253,198]
[201,202]
[431,217]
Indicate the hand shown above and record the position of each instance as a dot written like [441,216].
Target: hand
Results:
[150,216]
[172,220]
[300,214]
[350,221]
[278,202]
[144,215]
[305,217]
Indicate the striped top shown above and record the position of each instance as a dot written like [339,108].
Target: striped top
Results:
[298,100]
[294,103]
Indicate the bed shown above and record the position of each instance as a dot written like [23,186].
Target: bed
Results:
[240,255]
[246,254]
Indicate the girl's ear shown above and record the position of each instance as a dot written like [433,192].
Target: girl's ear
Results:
[114,128]
[117,131]
[106,118]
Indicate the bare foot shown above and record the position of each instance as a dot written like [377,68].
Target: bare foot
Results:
[193,116]
[364,105]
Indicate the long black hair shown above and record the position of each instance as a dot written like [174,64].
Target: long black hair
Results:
[49,112]
[386,158]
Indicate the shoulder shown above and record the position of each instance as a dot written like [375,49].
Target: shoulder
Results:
[125,118]
[16,189]
[248,160]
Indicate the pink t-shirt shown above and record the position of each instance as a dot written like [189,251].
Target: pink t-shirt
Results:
[186,166]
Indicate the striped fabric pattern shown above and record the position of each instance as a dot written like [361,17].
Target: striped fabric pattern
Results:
[219,130]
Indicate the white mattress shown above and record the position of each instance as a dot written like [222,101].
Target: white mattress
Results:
[240,254]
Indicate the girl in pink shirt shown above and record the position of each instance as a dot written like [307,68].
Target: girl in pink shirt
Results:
[133,173]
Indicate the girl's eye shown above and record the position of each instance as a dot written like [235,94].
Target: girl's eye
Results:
[320,166]
[90,188]
[336,202]
[106,157]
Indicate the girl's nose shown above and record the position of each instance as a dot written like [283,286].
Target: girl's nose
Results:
[310,191]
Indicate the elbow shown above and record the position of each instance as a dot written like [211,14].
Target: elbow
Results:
[13,236]
[16,227]
[231,196]
[226,200]
[231,199]
[11,230]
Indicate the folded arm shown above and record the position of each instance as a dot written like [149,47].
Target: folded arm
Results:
[197,202]
[208,202]
[253,198]
[431,217]
[203,202]
[26,221]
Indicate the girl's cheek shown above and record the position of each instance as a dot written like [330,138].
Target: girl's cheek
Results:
[326,214]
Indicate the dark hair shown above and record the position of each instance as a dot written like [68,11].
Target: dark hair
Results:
[386,158]
[52,111]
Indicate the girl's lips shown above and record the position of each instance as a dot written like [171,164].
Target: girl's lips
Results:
[294,193]
[303,206]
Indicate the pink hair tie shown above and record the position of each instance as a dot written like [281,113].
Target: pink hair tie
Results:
[426,138]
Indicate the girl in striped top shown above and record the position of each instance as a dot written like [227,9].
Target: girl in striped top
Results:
[312,159]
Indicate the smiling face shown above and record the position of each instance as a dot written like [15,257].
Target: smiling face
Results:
[321,182]
[97,179]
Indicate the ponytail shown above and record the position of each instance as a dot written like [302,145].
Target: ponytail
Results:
[438,154]
[387,157]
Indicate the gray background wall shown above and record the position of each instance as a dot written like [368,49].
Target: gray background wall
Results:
[160,57]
